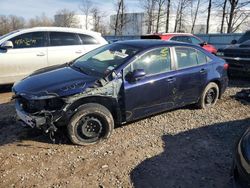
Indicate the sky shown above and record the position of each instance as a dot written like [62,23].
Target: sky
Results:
[31,8]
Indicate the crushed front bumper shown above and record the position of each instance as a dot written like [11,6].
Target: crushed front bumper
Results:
[28,119]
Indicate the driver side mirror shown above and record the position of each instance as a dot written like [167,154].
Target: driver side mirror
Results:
[7,45]
[234,41]
[203,43]
[136,75]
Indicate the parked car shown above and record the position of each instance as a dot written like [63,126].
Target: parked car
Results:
[24,51]
[238,56]
[182,37]
[119,83]
[241,165]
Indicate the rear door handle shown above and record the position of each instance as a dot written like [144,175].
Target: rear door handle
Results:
[171,79]
[40,54]
[202,71]
[78,51]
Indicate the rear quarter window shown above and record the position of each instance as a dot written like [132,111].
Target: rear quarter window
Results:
[86,39]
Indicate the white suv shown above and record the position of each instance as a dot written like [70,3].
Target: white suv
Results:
[24,51]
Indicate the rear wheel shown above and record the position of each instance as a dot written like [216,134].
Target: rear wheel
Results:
[209,96]
[91,123]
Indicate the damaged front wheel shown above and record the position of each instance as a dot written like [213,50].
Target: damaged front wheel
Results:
[91,123]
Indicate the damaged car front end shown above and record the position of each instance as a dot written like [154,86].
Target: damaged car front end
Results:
[49,97]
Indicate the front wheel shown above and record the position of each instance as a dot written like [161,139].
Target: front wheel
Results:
[91,123]
[209,96]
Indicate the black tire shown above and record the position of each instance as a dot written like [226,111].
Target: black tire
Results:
[90,124]
[209,96]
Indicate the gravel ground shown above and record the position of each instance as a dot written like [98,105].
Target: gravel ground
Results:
[181,148]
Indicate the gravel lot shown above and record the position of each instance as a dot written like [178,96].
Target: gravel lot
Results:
[182,148]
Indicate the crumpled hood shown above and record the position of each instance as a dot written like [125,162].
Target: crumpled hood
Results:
[52,82]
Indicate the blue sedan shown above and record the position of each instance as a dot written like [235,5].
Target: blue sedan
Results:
[119,83]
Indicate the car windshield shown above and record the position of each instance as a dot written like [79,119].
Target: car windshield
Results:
[1,37]
[103,60]
[244,38]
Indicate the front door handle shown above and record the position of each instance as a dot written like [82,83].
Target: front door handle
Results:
[203,71]
[171,79]
[40,54]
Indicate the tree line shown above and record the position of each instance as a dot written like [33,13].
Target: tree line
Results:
[233,14]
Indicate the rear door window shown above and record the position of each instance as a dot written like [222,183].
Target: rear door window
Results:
[29,40]
[86,39]
[63,39]
[189,57]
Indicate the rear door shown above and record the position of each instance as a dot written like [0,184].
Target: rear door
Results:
[191,74]
[154,92]
[64,47]
[28,54]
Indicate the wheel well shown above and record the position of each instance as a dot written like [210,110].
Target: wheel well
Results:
[110,103]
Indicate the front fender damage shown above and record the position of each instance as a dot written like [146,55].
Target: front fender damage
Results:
[55,118]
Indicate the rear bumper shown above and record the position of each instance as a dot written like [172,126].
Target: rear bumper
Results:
[224,85]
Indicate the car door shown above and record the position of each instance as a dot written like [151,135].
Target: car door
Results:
[154,92]
[63,47]
[28,54]
[191,75]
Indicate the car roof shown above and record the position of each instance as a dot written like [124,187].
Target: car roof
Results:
[62,29]
[165,34]
[150,43]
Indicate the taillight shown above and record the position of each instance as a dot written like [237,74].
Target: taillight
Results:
[225,66]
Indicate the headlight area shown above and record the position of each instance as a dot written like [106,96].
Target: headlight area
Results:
[220,53]
[46,114]
[38,106]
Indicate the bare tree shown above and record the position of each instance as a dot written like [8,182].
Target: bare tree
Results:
[16,22]
[179,20]
[99,25]
[160,4]
[223,15]
[120,19]
[149,7]
[237,15]
[65,18]
[42,21]
[194,15]
[10,23]
[208,14]
[168,2]
[86,8]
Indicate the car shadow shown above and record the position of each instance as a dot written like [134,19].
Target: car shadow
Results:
[196,158]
